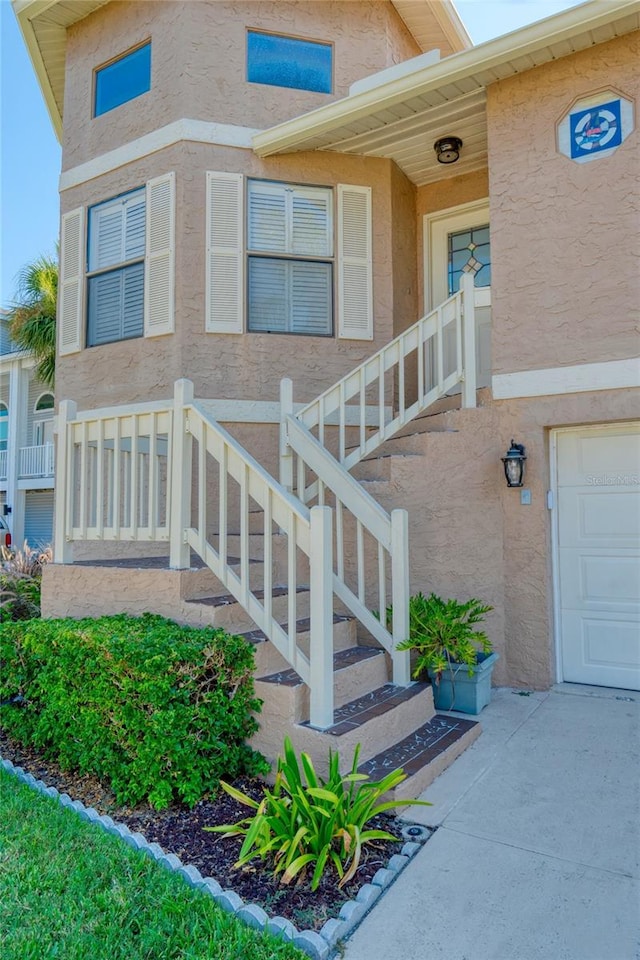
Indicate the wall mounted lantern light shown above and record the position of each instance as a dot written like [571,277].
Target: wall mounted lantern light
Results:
[514,464]
[447,149]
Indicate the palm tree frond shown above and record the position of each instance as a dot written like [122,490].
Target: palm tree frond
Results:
[32,316]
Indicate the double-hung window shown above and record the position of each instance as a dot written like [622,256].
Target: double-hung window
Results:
[290,258]
[116,269]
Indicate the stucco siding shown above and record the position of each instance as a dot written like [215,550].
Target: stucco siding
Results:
[469,535]
[247,366]
[198,63]
[403,228]
[566,285]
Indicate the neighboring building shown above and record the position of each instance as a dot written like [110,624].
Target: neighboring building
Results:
[250,192]
[26,446]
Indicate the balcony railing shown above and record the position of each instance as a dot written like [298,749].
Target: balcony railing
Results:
[36,461]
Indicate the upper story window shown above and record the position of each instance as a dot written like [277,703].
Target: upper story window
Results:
[290,258]
[123,79]
[289,62]
[116,269]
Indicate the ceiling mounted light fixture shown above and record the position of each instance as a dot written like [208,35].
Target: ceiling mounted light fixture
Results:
[447,149]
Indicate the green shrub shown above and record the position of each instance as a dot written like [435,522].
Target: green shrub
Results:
[157,710]
[316,825]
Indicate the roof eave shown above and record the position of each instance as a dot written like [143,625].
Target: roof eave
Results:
[292,134]
[26,11]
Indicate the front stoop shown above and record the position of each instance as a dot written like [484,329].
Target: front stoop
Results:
[393,726]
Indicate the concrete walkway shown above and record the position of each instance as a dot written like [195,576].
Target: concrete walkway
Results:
[537,850]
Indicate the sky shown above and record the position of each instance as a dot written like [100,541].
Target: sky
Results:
[30,153]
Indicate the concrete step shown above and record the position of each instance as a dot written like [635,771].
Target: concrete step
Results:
[356,671]
[224,612]
[378,467]
[256,542]
[269,661]
[424,754]
[443,405]
[376,721]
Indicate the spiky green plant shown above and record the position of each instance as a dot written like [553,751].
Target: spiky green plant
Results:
[32,316]
[306,822]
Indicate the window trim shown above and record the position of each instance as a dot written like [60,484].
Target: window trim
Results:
[291,36]
[332,260]
[110,62]
[91,274]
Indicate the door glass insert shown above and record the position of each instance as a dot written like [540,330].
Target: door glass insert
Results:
[469,252]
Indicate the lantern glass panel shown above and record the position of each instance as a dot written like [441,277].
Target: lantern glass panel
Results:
[513,469]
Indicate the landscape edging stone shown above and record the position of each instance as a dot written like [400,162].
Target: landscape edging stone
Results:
[317,945]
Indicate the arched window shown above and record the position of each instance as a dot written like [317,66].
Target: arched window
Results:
[44,402]
[4,426]
[43,419]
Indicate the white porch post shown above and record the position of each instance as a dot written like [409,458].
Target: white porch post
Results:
[400,593]
[62,544]
[180,499]
[18,391]
[468,339]
[321,642]
[286,456]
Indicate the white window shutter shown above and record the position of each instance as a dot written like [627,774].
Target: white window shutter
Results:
[159,268]
[71,282]
[355,266]
[224,294]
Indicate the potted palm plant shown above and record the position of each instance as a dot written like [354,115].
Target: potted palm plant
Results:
[457,657]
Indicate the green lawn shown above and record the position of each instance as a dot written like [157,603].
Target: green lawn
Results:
[69,890]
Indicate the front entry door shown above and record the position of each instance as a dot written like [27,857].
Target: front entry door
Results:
[598,552]
[456,242]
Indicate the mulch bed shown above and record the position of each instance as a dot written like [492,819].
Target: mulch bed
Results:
[180,830]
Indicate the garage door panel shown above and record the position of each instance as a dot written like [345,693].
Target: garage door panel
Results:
[593,518]
[605,645]
[595,459]
[591,581]
[599,554]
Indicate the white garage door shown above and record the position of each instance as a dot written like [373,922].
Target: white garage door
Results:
[599,554]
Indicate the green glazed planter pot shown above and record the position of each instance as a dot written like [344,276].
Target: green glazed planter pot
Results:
[466,694]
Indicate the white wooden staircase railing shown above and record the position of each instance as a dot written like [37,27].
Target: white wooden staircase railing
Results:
[420,365]
[169,472]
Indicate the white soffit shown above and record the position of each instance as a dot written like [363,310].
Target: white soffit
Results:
[402,118]
[44,28]
[419,16]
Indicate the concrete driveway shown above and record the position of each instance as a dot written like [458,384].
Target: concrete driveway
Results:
[536,855]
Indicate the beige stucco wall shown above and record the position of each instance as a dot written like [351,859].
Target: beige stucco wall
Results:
[564,235]
[198,63]
[247,366]
[403,240]
[469,534]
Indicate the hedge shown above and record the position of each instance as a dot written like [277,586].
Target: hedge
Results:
[159,711]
